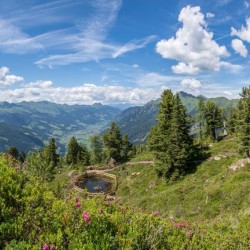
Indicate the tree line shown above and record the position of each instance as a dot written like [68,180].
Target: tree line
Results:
[45,162]
[177,137]
[176,140]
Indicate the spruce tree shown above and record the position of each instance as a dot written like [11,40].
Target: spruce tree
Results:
[13,151]
[22,157]
[96,149]
[232,121]
[126,148]
[213,120]
[53,155]
[243,123]
[200,118]
[180,140]
[112,140]
[169,139]
[159,136]
[72,151]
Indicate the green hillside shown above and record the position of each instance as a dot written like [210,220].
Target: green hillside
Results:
[208,209]
[46,119]
[137,121]
[210,192]
[12,135]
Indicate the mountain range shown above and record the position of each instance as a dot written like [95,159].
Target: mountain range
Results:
[28,125]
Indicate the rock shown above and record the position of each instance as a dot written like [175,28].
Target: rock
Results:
[217,158]
[239,164]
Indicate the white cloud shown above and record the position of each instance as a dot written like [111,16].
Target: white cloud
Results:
[136,65]
[193,45]
[244,32]
[246,4]
[190,83]
[83,41]
[155,79]
[85,94]
[228,93]
[40,84]
[13,40]
[133,45]
[239,47]
[209,15]
[6,79]
[234,68]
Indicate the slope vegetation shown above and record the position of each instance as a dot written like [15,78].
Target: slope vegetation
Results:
[211,192]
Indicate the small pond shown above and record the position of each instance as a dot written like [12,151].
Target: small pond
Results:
[95,184]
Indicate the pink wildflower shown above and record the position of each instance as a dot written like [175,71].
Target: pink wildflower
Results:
[189,234]
[178,225]
[100,210]
[69,196]
[155,213]
[45,247]
[86,216]
[77,204]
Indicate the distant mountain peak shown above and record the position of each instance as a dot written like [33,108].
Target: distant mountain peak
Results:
[185,94]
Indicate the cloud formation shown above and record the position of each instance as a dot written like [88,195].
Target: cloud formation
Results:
[6,79]
[191,83]
[85,94]
[82,41]
[243,33]
[155,79]
[193,46]
[239,47]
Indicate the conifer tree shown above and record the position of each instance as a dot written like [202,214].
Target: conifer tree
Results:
[159,135]
[72,151]
[169,139]
[232,120]
[96,149]
[52,153]
[213,120]
[200,118]
[13,151]
[22,157]
[126,148]
[112,140]
[77,154]
[180,140]
[243,123]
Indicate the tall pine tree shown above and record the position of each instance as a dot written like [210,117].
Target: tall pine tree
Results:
[243,124]
[112,140]
[169,139]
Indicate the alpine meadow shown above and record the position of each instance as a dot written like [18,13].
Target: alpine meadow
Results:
[124,125]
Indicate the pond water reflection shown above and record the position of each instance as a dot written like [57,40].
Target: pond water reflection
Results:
[95,184]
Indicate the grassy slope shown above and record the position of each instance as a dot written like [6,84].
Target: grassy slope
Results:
[212,191]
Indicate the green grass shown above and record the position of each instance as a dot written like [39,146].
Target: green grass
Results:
[212,191]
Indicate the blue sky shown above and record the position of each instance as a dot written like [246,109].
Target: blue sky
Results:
[122,51]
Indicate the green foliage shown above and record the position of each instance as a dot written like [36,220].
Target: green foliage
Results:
[213,120]
[169,139]
[137,121]
[28,125]
[22,157]
[112,140]
[96,149]
[77,155]
[13,151]
[210,193]
[243,122]
[31,216]
[43,163]
[232,121]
